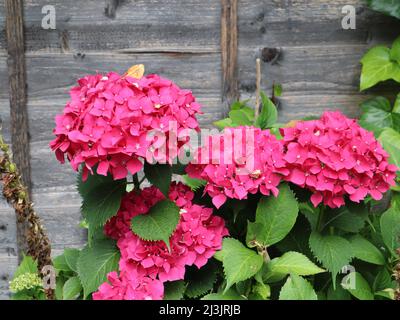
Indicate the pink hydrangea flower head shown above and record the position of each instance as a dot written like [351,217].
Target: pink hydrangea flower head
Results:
[334,157]
[110,122]
[238,162]
[197,237]
[129,286]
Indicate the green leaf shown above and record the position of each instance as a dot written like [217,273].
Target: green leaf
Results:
[72,288]
[348,221]
[366,251]
[390,228]
[387,293]
[95,263]
[240,118]
[230,294]
[278,90]
[224,123]
[261,291]
[275,217]
[395,51]
[310,212]
[240,263]
[201,281]
[71,258]
[297,288]
[377,115]
[396,108]
[60,281]
[337,294]
[174,290]
[383,280]
[159,223]
[193,183]
[27,265]
[60,263]
[159,175]
[268,115]
[333,252]
[102,201]
[389,7]
[358,287]
[390,140]
[378,67]
[290,262]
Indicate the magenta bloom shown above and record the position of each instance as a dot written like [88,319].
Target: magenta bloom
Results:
[334,157]
[109,118]
[239,161]
[129,286]
[197,237]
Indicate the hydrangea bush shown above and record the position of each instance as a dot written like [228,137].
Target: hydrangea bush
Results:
[300,211]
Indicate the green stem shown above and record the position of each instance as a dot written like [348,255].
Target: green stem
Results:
[320,221]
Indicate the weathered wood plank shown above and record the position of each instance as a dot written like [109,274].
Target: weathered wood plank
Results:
[307,69]
[55,74]
[152,25]
[299,22]
[229,53]
[192,26]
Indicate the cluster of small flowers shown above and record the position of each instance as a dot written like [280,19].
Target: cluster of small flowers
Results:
[334,157]
[247,160]
[109,119]
[146,265]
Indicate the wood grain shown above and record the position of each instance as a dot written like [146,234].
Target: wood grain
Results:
[229,53]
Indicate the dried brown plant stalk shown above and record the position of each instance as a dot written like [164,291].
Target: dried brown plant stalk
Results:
[16,194]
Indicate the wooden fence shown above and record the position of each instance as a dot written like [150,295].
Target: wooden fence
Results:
[209,46]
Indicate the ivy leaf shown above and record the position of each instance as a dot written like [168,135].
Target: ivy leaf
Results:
[159,223]
[71,258]
[275,217]
[389,7]
[290,263]
[159,175]
[268,115]
[333,252]
[174,290]
[390,140]
[102,201]
[230,294]
[358,287]
[377,115]
[201,281]
[390,228]
[95,263]
[193,183]
[366,251]
[297,288]
[72,289]
[378,67]
[240,263]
